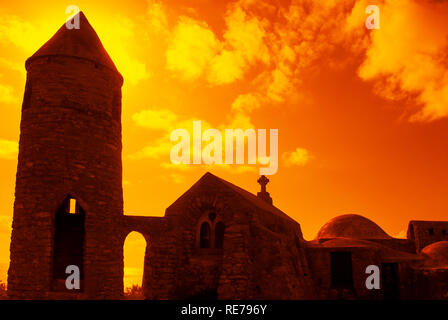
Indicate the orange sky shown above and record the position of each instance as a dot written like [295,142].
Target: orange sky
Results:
[362,115]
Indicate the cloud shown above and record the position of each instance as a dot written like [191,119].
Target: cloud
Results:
[245,103]
[279,86]
[275,43]
[179,166]
[5,225]
[156,16]
[401,235]
[22,34]
[7,95]
[165,121]
[162,119]
[407,56]
[240,112]
[226,67]
[239,120]
[132,69]
[245,34]
[298,157]
[14,66]
[192,47]
[195,50]
[118,37]
[8,149]
[177,178]
[244,45]
[155,150]
[282,41]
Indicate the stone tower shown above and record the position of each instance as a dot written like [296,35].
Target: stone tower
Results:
[68,197]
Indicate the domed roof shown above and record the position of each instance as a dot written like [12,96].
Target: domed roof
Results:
[348,242]
[81,43]
[351,226]
[437,252]
[385,252]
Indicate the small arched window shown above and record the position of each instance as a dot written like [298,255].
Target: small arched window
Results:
[205,235]
[219,235]
[72,206]
[69,232]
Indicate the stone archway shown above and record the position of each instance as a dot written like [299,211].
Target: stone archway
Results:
[134,249]
[68,242]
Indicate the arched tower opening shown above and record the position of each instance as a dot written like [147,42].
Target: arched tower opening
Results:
[74,85]
[68,245]
[134,259]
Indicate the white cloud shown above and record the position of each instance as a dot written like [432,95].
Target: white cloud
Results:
[8,149]
[298,157]
[7,95]
[161,119]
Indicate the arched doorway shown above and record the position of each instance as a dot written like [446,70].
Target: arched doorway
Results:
[68,244]
[134,259]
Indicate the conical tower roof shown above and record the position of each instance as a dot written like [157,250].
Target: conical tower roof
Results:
[81,43]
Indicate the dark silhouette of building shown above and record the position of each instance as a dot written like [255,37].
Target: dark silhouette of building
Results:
[70,148]
[217,241]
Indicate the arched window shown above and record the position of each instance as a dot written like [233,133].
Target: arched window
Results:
[205,235]
[134,249]
[219,234]
[68,238]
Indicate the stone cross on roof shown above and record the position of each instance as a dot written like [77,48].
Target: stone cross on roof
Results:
[263,181]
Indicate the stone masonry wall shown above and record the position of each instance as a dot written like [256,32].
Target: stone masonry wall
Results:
[424,233]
